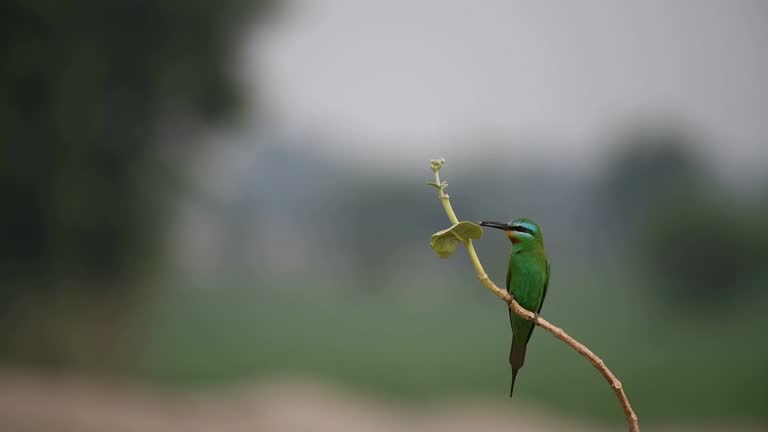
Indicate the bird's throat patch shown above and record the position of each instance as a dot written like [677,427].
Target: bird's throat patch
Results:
[512,236]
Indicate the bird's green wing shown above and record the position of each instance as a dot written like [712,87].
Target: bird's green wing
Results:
[546,286]
[543,296]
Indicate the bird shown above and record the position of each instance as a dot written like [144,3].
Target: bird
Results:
[527,282]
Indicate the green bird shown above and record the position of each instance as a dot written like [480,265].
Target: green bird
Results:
[527,281]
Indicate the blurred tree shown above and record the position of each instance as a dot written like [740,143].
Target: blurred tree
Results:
[89,90]
[698,245]
[704,249]
[652,163]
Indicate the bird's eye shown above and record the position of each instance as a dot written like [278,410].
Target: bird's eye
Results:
[520,228]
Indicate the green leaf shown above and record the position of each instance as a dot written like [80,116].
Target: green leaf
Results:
[444,242]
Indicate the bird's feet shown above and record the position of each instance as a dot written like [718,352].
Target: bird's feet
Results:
[535,318]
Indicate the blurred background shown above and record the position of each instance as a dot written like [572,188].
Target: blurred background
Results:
[215,213]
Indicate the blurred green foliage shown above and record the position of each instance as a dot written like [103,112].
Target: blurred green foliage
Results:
[697,241]
[705,250]
[651,164]
[95,95]
[442,342]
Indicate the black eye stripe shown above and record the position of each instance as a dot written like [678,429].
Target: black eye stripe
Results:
[519,228]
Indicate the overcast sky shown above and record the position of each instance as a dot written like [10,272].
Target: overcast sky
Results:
[422,75]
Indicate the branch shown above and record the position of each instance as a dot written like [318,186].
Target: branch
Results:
[520,311]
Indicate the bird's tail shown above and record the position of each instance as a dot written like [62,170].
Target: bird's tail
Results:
[516,361]
[512,386]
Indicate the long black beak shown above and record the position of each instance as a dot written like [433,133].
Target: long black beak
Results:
[497,225]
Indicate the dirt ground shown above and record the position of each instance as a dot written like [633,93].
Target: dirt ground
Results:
[36,403]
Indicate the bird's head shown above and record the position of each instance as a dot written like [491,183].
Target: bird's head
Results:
[519,231]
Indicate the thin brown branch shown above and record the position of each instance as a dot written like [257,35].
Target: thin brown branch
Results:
[559,333]
[514,306]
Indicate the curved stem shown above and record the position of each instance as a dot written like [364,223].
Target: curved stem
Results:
[514,306]
[445,199]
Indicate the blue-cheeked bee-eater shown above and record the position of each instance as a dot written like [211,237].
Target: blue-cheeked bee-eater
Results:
[527,281]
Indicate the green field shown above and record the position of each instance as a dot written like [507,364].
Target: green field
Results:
[421,343]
